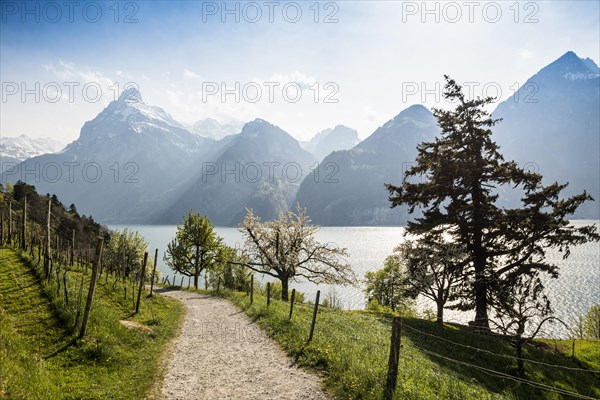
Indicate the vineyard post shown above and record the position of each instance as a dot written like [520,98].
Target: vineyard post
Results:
[72,262]
[153,272]
[142,280]
[90,298]
[268,294]
[9,222]
[292,303]
[24,226]
[251,289]
[314,317]
[47,256]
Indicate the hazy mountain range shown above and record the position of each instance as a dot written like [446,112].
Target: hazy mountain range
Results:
[259,168]
[339,138]
[551,125]
[213,129]
[16,149]
[135,163]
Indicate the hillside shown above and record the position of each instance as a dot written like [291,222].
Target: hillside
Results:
[41,358]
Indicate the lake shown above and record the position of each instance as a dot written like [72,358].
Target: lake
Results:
[572,294]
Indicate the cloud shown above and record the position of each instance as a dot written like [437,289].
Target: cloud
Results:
[123,74]
[298,77]
[189,74]
[525,54]
[70,72]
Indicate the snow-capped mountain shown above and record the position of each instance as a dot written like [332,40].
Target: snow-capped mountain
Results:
[24,147]
[135,163]
[124,163]
[213,129]
[339,138]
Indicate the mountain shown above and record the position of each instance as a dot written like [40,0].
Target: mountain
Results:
[339,138]
[552,125]
[213,129]
[123,165]
[24,147]
[347,188]
[259,168]
[16,149]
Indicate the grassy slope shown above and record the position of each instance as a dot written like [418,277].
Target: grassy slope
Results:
[351,348]
[39,358]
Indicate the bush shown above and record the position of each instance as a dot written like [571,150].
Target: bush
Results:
[591,323]
[276,291]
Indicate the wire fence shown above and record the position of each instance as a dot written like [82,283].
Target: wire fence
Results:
[371,348]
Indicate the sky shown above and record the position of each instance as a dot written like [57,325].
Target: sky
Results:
[304,66]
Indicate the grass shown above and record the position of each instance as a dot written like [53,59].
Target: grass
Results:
[40,356]
[351,349]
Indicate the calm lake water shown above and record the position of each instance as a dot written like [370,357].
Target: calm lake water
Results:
[572,294]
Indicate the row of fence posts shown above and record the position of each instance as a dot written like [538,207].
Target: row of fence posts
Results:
[48,258]
[395,340]
[94,278]
[395,343]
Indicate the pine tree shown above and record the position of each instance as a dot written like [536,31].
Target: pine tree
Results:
[462,175]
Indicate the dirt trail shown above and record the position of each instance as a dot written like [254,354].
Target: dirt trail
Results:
[222,354]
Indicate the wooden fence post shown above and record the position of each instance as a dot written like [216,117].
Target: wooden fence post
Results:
[314,317]
[72,255]
[65,288]
[392,377]
[251,289]
[292,303]
[24,226]
[9,222]
[153,272]
[142,281]
[268,294]
[90,298]
[48,256]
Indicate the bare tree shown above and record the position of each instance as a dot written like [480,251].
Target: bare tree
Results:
[286,249]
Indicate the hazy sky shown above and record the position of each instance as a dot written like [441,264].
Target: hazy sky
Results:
[364,61]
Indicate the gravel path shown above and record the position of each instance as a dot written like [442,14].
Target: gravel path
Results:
[222,354]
